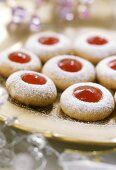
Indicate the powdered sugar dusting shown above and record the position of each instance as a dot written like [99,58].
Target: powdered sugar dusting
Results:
[105,74]
[8,67]
[84,110]
[64,79]
[28,93]
[95,53]
[46,52]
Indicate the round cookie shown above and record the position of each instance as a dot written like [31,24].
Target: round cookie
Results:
[87,102]
[95,46]
[106,72]
[66,70]
[31,88]
[15,60]
[48,44]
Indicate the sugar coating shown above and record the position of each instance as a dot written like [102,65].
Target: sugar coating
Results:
[87,111]
[30,94]
[105,74]
[95,53]
[45,52]
[7,67]
[64,79]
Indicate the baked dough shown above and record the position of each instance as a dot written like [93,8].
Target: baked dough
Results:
[44,51]
[104,46]
[105,74]
[87,111]
[64,79]
[31,94]
[7,66]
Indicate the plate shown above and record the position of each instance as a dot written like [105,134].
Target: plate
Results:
[50,121]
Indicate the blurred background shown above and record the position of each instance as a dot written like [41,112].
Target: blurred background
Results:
[19,17]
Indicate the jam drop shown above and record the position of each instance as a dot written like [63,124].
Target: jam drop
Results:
[97,40]
[19,57]
[88,94]
[48,40]
[33,79]
[112,64]
[70,65]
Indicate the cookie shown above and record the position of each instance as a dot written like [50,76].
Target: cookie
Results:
[87,102]
[31,88]
[66,70]
[95,46]
[48,44]
[106,72]
[16,60]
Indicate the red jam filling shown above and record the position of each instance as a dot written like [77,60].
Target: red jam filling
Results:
[19,57]
[88,94]
[112,64]
[97,40]
[33,79]
[48,40]
[70,65]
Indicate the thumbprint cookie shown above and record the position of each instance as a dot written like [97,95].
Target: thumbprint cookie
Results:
[95,46]
[12,61]
[106,72]
[66,70]
[48,44]
[87,102]
[31,88]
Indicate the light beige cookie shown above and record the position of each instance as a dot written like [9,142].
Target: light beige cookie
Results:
[16,60]
[31,88]
[48,44]
[106,72]
[95,46]
[66,70]
[87,102]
